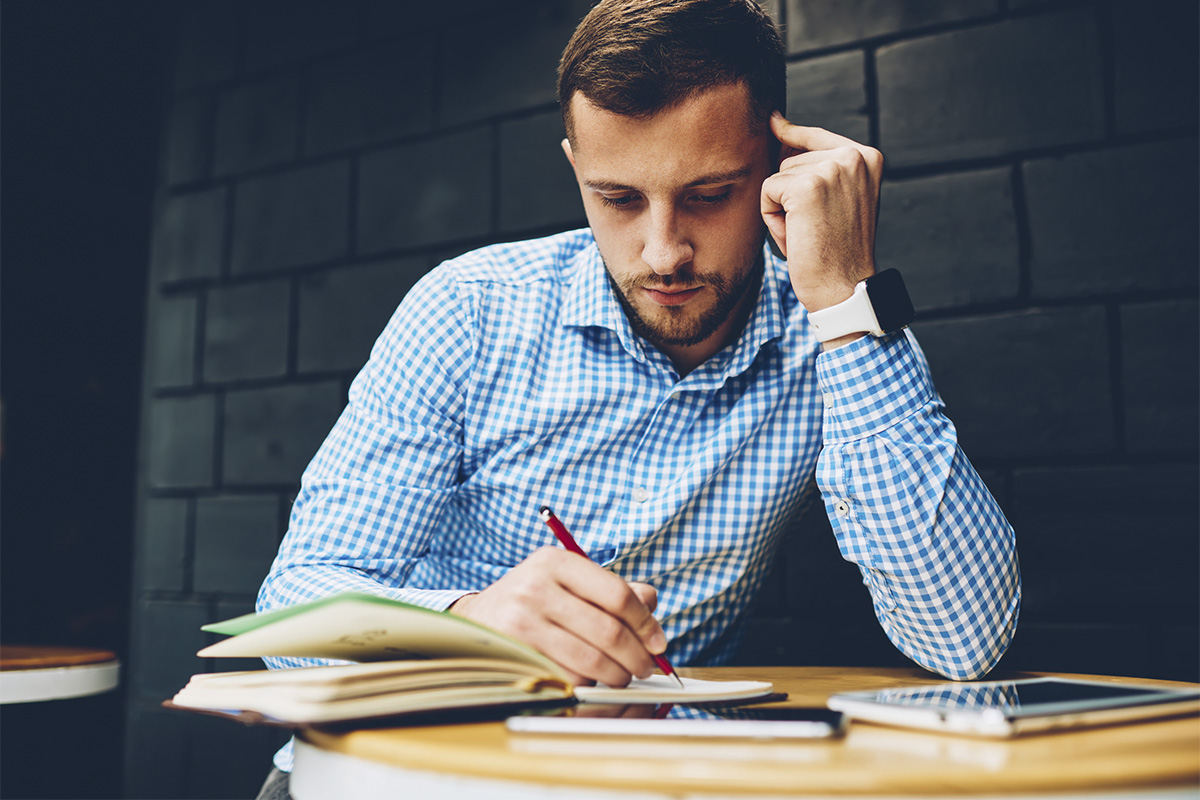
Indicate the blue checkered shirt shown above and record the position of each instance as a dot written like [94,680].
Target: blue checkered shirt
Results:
[510,378]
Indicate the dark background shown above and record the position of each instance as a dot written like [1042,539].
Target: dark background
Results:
[210,210]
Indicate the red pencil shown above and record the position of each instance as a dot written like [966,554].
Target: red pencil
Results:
[568,541]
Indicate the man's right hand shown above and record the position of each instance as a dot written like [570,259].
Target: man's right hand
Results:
[595,625]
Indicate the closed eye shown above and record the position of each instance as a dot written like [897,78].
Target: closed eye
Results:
[713,199]
[624,201]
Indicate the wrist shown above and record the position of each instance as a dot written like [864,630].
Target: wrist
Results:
[459,606]
[816,298]
[879,304]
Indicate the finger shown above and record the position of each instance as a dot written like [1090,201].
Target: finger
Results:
[773,213]
[605,649]
[610,594]
[584,662]
[803,138]
[799,140]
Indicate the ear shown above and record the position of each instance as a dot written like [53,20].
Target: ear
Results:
[566,146]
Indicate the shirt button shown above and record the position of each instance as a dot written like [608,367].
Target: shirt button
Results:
[641,495]
[828,398]
[842,508]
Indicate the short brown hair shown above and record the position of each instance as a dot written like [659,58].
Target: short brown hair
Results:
[638,57]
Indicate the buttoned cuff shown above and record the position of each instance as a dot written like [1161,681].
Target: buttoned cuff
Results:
[871,384]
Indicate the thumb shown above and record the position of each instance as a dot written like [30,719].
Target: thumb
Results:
[646,593]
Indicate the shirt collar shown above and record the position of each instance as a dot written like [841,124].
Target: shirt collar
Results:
[591,301]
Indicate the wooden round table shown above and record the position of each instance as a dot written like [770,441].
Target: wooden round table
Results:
[481,759]
[32,674]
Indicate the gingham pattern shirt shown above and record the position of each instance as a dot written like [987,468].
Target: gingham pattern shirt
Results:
[509,378]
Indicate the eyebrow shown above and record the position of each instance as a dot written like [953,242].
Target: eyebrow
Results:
[703,180]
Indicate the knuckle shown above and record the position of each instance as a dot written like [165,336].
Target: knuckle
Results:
[609,634]
[543,555]
[595,664]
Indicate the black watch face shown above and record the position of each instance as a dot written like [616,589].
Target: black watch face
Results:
[889,298]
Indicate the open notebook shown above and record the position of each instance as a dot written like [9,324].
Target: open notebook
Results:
[409,660]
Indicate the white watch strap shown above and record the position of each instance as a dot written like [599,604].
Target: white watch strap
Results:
[854,315]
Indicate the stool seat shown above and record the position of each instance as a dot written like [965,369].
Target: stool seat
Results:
[34,673]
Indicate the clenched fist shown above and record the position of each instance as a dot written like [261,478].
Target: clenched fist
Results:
[820,208]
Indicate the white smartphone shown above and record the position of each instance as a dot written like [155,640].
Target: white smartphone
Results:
[732,723]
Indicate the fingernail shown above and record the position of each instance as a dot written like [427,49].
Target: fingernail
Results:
[777,113]
[657,643]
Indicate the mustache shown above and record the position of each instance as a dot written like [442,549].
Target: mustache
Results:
[686,279]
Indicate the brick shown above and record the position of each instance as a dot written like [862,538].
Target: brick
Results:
[189,134]
[1012,86]
[1143,651]
[830,22]
[236,540]
[426,193]
[155,748]
[817,580]
[537,184]
[1033,383]
[826,640]
[190,236]
[1160,376]
[285,31]
[206,46]
[830,92]
[243,753]
[1156,77]
[1113,221]
[168,638]
[954,237]
[1109,543]
[257,125]
[370,97]
[181,442]
[271,434]
[246,331]
[387,19]
[342,313]
[163,544]
[505,59]
[171,341]
[292,219]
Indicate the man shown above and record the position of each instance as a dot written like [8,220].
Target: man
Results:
[659,381]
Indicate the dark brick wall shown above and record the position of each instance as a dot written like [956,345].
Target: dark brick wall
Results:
[1040,197]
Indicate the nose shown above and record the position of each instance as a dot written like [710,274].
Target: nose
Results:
[665,246]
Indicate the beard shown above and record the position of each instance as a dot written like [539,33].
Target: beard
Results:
[680,326]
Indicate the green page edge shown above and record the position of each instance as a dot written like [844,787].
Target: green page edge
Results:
[253,621]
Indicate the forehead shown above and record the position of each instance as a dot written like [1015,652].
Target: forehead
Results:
[706,134]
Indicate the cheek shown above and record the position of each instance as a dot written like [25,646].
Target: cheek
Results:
[737,230]
[613,232]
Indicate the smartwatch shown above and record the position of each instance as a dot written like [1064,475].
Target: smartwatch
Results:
[879,305]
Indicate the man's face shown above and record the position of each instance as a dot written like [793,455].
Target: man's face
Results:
[673,201]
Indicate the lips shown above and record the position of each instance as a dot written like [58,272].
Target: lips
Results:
[672,296]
